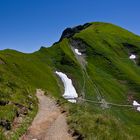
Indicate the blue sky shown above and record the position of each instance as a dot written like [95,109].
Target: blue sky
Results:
[25,25]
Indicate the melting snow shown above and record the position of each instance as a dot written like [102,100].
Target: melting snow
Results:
[132,56]
[138,108]
[70,92]
[135,103]
[77,52]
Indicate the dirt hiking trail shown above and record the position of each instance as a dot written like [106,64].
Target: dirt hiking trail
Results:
[49,123]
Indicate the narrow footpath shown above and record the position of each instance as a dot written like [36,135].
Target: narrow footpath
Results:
[49,123]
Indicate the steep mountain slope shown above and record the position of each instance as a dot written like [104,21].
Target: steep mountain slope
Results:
[106,80]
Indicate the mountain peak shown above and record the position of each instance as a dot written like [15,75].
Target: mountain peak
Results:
[69,32]
[100,60]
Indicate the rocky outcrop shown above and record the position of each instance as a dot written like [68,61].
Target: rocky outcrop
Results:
[3,103]
[70,32]
[6,124]
[79,44]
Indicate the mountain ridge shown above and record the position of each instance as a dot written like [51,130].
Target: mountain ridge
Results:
[103,73]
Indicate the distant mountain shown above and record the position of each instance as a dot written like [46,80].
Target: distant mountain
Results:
[103,62]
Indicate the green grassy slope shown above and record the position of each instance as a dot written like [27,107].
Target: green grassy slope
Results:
[109,75]
[20,75]
[115,75]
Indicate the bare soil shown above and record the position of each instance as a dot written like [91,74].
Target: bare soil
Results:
[49,123]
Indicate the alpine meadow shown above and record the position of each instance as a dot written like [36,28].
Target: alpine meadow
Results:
[101,62]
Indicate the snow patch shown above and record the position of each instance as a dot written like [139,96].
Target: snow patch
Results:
[132,56]
[72,100]
[138,108]
[77,52]
[136,104]
[70,93]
